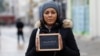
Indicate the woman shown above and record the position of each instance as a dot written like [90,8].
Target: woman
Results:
[50,22]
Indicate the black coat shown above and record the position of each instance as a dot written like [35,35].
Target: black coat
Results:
[19,26]
[69,49]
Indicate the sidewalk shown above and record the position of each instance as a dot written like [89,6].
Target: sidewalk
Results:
[88,47]
[9,47]
[8,42]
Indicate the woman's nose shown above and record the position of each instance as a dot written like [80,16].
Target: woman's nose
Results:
[49,14]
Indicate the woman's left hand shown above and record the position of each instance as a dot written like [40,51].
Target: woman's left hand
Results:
[61,43]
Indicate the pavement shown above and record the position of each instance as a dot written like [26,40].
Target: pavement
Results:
[8,41]
[10,47]
[90,47]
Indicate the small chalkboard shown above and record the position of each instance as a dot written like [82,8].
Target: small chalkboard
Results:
[49,42]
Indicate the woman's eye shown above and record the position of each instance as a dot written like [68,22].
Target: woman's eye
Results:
[47,12]
[53,12]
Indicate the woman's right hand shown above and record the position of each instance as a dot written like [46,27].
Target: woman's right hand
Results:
[37,43]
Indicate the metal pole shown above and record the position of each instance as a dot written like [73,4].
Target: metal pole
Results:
[0,36]
[30,11]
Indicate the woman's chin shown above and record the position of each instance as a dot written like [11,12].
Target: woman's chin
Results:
[50,23]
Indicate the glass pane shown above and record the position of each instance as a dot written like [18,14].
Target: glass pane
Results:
[80,16]
[1,6]
[79,2]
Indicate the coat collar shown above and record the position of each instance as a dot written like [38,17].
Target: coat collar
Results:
[67,23]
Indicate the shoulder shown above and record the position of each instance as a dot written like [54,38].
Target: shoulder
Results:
[34,31]
[66,30]
[33,34]
[67,23]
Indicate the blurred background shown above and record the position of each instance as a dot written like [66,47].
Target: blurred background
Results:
[83,13]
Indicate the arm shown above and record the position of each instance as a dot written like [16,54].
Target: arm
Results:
[16,24]
[31,51]
[70,46]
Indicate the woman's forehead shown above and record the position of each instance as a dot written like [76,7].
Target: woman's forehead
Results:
[49,9]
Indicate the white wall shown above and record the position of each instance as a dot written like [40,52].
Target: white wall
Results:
[94,18]
[68,10]
[23,8]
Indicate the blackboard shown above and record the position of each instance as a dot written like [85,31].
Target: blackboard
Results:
[49,42]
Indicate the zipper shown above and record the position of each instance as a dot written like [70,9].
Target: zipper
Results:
[54,54]
[49,30]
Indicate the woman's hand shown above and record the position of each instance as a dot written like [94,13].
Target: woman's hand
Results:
[61,42]
[37,43]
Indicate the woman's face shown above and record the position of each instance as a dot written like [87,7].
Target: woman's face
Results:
[50,16]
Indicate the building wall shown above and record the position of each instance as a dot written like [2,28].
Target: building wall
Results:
[94,17]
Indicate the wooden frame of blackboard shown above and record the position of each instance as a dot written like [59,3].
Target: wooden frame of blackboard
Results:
[50,34]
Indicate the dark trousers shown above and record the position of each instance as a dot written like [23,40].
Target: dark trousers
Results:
[19,37]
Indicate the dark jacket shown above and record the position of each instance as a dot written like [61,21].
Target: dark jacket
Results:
[69,49]
[19,26]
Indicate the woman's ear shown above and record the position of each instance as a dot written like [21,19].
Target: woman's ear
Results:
[67,23]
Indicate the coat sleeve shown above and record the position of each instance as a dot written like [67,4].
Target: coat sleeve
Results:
[70,46]
[31,51]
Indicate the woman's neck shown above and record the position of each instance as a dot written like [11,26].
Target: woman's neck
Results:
[49,26]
